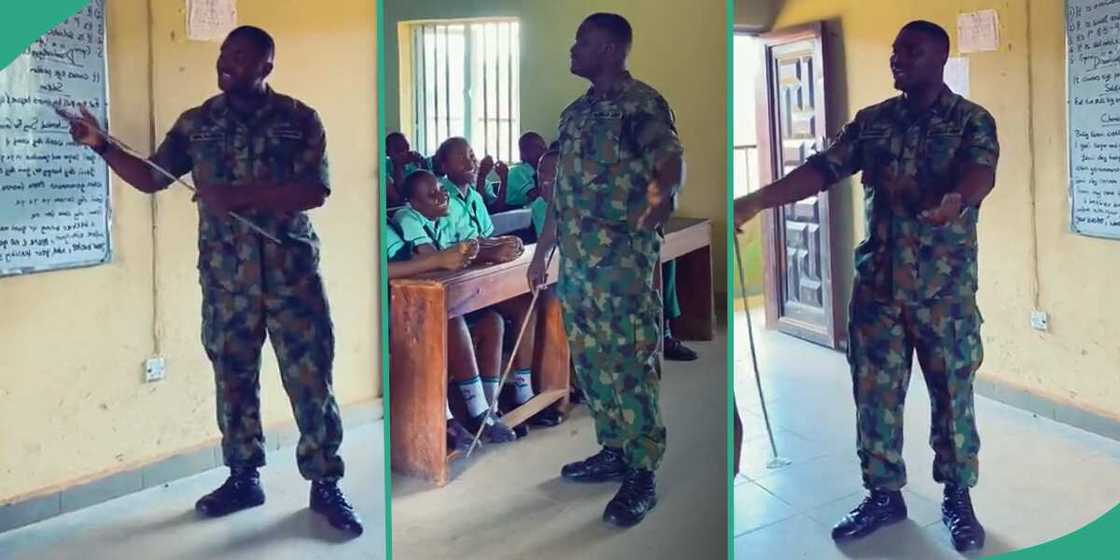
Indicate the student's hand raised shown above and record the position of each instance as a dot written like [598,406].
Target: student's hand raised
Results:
[484,168]
[503,171]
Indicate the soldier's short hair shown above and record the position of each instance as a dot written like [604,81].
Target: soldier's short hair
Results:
[616,26]
[412,181]
[931,30]
[257,36]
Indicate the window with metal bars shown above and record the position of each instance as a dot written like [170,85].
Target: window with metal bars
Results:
[465,82]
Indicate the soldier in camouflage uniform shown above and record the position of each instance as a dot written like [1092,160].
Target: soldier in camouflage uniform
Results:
[263,155]
[928,159]
[620,167]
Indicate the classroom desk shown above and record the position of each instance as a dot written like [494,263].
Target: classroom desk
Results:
[421,306]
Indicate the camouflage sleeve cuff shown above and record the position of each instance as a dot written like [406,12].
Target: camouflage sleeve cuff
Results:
[981,143]
[826,168]
[312,163]
[172,154]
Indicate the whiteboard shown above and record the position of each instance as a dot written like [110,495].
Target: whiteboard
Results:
[1093,82]
[54,194]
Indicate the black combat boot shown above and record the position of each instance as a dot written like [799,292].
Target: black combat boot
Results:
[959,517]
[608,464]
[240,491]
[880,509]
[634,500]
[327,500]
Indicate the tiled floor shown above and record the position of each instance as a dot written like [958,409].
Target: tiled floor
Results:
[509,501]
[161,523]
[1039,479]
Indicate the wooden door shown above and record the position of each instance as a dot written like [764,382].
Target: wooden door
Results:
[797,249]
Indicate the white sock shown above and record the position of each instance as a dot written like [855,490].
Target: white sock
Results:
[447,408]
[473,396]
[523,383]
[492,386]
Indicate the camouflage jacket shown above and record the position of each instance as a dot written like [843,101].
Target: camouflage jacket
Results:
[609,146]
[909,162]
[282,142]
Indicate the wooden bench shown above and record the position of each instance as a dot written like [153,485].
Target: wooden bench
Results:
[421,306]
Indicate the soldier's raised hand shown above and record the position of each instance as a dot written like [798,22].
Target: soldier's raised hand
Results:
[83,128]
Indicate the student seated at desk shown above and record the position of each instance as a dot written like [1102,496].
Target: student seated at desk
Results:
[402,264]
[521,185]
[474,342]
[470,219]
[400,160]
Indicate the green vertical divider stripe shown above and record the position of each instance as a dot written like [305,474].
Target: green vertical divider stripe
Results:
[383,277]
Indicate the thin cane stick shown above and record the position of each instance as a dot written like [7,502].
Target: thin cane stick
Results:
[775,460]
[109,138]
[492,409]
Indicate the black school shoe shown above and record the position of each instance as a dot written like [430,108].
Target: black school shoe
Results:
[496,432]
[547,418]
[878,510]
[634,500]
[606,465]
[328,501]
[959,517]
[242,490]
[676,351]
[458,438]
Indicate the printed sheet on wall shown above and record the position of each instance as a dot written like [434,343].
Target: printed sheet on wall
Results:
[1093,59]
[54,194]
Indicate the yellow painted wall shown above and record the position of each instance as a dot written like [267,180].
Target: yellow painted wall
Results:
[680,48]
[1022,84]
[754,14]
[72,399]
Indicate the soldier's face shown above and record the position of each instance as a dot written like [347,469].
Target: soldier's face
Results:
[589,51]
[428,199]
[546,176]
[917,61]
[242,65]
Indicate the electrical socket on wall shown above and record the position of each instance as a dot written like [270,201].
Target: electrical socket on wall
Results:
[155,369]
[1040,321]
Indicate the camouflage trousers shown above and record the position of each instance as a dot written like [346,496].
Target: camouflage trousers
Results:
[883,337]
[236,316]
[612,317]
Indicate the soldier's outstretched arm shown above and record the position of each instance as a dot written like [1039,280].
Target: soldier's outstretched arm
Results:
[801,183]
[84,129]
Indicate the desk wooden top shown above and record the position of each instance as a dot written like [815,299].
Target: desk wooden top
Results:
[481,286]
